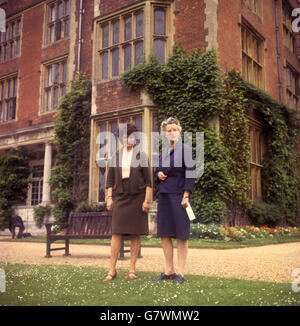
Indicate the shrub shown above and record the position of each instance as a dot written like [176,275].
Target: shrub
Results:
[265,214]
[14,180]
[205,231]
[39,214]
[6,211]
[87,207]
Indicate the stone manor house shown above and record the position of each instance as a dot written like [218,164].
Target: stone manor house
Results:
[45,42]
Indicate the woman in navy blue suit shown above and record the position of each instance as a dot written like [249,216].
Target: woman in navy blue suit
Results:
[175,177]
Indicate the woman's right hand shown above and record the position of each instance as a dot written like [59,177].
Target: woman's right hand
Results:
[109,204]
[161,176]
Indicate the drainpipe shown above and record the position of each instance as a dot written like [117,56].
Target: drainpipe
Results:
[81,12]
[278,51]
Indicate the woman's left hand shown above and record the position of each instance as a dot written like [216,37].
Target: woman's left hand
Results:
[185,202]
[145,207]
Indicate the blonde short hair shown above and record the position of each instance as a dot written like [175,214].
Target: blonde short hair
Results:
[170,121]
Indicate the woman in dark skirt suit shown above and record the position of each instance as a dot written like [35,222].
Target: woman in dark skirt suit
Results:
[174,191]
[129,192]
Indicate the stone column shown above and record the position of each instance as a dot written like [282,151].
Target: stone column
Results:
[47,173]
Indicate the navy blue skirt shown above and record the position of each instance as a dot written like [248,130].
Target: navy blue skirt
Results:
[172,219]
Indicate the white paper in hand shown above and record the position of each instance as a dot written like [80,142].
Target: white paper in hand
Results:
[190,213]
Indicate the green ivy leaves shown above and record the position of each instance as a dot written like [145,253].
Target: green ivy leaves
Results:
[191,88]
[72,137]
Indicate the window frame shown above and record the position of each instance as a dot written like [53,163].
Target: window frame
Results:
[52,85]
[252,65]
[62,21]
[258,143]
[255,6]
[10,89]
[119,45]
[39,180]
[292,90]
[289,39]
[11,40]
[157,36]
[103,53]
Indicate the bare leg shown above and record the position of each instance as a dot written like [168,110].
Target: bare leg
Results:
[115,247]
[134,251]
[182,255]
[167,246]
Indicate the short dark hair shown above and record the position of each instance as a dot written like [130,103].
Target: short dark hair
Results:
[129,129]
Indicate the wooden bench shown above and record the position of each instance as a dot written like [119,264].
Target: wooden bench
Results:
[90,225]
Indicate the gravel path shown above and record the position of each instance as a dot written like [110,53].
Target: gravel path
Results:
[273,263]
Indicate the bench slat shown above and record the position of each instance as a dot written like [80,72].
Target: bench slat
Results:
[89,225]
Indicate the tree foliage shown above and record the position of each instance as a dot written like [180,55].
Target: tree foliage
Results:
[14,180]
[72,139]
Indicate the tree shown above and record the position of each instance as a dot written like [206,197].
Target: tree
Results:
[14,180]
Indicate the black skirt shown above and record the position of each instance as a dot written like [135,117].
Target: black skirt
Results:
[127,215]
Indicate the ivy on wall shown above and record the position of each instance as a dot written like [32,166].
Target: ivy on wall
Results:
[191,89]
[280,180]
[234,132]
[72,137]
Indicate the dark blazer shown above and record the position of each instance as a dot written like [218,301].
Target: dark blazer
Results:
[140,176]
[16,220]
[176,165]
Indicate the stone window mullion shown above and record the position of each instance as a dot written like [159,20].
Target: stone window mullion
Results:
[123,48]
[10,41]
[8,99]
[58,18]
[252,57]
[55,77]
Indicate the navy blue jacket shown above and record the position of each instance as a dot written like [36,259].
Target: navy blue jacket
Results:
[17,221]
[179,166]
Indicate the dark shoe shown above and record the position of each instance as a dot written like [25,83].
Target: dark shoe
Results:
[163,276]
[179,279]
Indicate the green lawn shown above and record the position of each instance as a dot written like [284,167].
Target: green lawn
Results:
[47,285]
[193,243]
